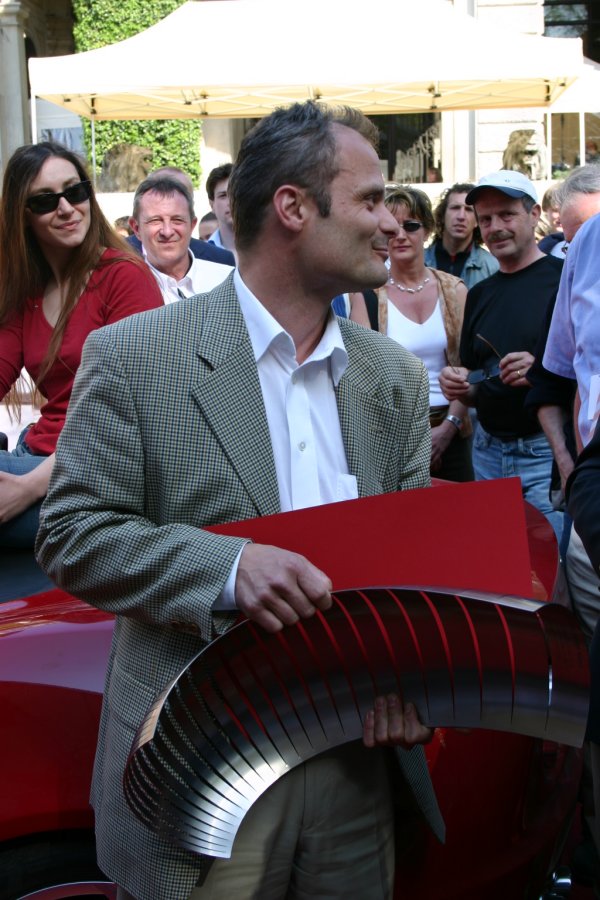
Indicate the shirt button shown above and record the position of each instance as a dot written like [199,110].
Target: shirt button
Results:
[302,445]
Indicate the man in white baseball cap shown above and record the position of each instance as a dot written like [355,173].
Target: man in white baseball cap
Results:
[513,184]
[504,315]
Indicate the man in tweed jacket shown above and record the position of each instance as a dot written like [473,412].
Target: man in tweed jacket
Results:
[173,426]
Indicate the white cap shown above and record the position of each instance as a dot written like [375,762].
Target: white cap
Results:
[514,184]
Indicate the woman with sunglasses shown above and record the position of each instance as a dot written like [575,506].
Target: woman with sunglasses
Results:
[63,273]
[422,309]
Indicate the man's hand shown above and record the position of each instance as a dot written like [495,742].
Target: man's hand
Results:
[389,724]
[441,438]
[275,587]
[565,466]
[514,368]
[453,382]
[17,493]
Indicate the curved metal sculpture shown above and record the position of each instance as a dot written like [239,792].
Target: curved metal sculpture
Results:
[253,705]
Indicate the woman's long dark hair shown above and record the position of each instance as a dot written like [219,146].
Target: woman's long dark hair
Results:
[24,271]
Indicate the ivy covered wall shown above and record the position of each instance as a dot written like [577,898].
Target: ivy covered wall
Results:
[100,22]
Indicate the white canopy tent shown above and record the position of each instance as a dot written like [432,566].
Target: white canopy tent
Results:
[582,97]
[242,58]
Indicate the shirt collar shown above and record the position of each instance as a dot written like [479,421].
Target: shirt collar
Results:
[164,279]
[267,334]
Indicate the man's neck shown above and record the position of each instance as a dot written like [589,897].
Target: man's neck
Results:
[227,236]
[509,265]
[178,269]
[452,246]
[303,315]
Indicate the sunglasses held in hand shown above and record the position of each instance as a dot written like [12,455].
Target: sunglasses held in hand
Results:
[479,375]
[39,204]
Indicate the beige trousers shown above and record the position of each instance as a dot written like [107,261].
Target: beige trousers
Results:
[324,830]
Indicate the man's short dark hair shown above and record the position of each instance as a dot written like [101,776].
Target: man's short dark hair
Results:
[221,173]
[528,203]
[461,187]
[164,187]
[294,145]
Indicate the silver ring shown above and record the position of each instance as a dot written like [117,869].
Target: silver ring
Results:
[518,373]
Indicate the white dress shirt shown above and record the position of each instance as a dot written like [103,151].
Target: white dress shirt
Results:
[215,239]
[203,275]
[310,459]
[302,414]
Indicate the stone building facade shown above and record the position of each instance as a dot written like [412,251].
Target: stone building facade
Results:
[467,143]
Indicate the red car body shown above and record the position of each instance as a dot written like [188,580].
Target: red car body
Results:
[507,800]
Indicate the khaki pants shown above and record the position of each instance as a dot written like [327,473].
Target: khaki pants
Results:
[324,830]
[583,585]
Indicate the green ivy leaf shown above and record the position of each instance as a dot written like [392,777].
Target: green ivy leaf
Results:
[173,142]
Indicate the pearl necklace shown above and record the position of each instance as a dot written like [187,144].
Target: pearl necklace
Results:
[409,290]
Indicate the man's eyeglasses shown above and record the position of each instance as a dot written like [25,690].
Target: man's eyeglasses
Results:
[45,203]
[479,375]
[409,227]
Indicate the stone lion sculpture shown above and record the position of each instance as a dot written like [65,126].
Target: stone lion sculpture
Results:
[526,153]
[124,166]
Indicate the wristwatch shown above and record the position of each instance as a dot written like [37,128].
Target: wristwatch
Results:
[455,421]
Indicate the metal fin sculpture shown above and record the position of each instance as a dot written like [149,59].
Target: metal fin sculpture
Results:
[253,705]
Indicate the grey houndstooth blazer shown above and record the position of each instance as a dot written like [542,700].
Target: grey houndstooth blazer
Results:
[166,433]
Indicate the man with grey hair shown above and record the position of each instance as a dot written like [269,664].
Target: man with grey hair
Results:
[573,352]
[200,248]
[578,199]
[551,395]
[163,220]
[251,400]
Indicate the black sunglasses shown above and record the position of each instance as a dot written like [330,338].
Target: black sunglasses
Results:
[409,227]
[45,203]
[479,375]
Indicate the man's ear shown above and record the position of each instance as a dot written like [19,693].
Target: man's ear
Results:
[291,205]
[536,212]
[134,227]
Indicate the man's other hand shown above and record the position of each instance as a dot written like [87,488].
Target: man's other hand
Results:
[275,587]
[453,382]
[389,724]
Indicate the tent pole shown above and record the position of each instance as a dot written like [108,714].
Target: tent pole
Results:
[582,139]
[549,173]
[33,113]
[93,153]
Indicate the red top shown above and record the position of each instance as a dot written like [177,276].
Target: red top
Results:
[112,293]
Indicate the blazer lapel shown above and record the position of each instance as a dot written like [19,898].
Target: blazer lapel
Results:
[230,397]
[369,426]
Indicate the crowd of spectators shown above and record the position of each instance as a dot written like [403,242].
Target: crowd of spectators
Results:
[481,288]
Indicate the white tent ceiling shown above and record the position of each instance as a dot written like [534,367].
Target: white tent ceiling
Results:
[242,58]
[582,96]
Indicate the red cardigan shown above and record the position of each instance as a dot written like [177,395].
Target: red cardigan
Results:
[112,292]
